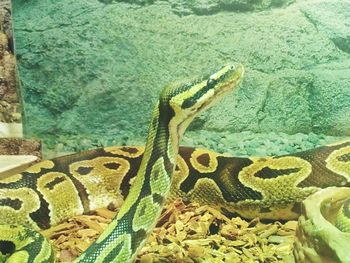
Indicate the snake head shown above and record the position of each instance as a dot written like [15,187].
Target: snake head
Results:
[190,98]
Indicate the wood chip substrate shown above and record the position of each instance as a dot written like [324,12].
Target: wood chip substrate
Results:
[186,232]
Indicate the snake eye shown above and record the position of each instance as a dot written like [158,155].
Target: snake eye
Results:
[210,82]
[188,103]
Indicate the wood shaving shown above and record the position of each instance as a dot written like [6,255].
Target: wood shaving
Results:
[185,233]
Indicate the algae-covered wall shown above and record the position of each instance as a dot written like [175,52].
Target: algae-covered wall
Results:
[93,69]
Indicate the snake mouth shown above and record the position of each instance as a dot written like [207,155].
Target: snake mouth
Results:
[231,76]
[230,79]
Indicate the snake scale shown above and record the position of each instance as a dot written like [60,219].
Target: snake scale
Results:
[54,190]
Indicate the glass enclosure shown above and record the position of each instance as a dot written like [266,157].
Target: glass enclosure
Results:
[92,70]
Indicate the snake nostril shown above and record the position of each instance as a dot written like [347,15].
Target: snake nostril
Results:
[7,247]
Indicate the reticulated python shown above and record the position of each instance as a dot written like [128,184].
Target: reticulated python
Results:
[54,190]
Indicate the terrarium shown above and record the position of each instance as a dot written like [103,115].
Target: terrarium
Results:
[112,149]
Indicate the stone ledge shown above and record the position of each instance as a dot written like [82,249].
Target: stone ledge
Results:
[12,164]
[17,154]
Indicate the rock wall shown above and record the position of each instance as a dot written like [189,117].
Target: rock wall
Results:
[16,154]
[94,68]
[9,100]
[210,7]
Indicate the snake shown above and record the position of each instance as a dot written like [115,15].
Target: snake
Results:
[143,178]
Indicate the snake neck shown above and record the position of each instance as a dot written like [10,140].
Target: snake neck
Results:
[162,142]
[177,106]
[143,205]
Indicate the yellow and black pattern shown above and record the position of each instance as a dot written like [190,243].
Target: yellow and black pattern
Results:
[267,187]
[30,246]
[54,190]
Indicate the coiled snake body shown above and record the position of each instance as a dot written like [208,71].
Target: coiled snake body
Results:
[54,190]
[51,191]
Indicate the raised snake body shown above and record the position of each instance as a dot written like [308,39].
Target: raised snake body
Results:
[56,190]
[270,187]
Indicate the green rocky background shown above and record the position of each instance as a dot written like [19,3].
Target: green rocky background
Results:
[92,69]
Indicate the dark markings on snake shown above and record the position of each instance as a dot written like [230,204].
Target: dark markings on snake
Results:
[130,150]
[227,179]
[346,208]
[268,173]
[204,159]
[43,222]
[82,192]
[7,247]
[64,164]
[344,158]
[13,203]
[134,167]
[138,237]
[124,223]
[112,166]
[115,251]
[265,210]
[229,183]
[189,102]
[317,157]
[229,214]
[84,170]
[142,210]
[157,198]
[54,182]
[159,150]
[155,174]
